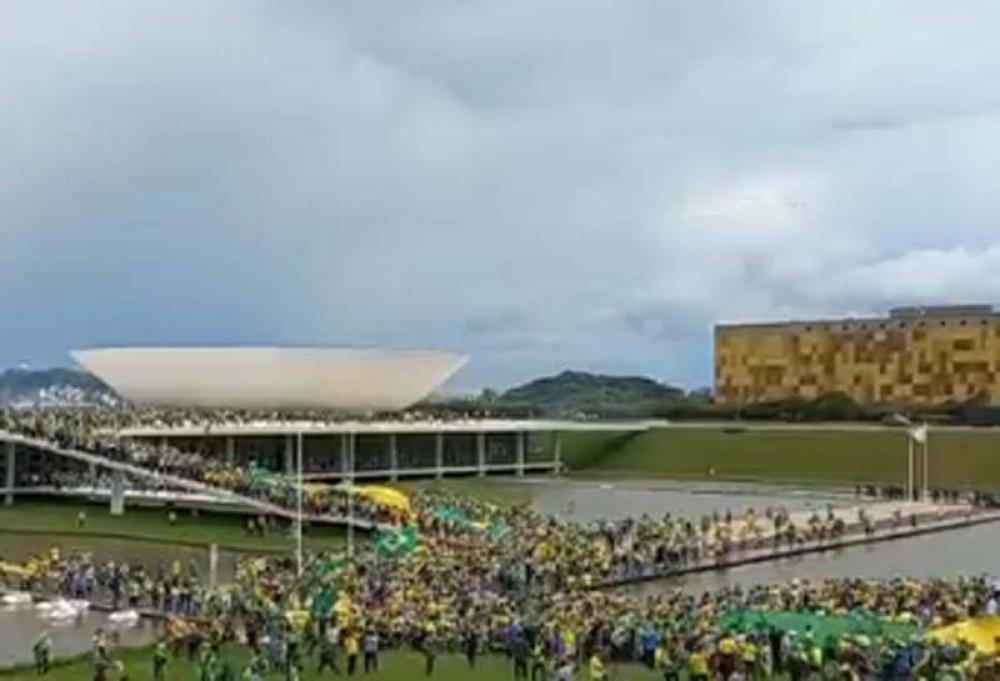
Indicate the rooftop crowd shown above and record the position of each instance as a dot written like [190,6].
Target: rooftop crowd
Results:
[89,421]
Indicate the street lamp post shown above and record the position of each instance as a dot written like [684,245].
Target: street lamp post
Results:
[916,435]
[909,425]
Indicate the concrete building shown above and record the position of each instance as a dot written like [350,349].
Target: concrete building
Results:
[915,355]
[370,437]
[332,379]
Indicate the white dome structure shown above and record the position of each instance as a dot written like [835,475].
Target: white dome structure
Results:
[342,379]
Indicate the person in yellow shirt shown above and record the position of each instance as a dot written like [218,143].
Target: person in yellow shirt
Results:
[597,671]
[664,662]
[569,642]
[698,665]
[351,647]
[748,654]
[728,653]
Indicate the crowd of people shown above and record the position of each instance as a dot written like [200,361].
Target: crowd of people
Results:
[496,579]
[172,589]
[486,578]
[88,421]
[445,597]
[95,431]
[481,577]
[609,552]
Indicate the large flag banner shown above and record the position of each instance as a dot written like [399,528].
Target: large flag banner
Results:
[391,543]
[461,519]
[261,478]
[453,515]
[821,625]
[322,602]
[332,564]
[983,633]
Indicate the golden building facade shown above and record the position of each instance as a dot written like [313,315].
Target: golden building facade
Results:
[925,355]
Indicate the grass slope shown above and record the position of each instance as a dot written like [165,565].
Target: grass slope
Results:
[959,458]
[582,450]
[226,530]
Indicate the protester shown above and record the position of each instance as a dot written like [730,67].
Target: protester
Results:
[370,644]
[160,661]
[43,653]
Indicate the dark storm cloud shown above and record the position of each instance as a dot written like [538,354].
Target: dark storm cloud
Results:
[585,184]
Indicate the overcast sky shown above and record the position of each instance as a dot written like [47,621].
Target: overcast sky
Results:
[540,185]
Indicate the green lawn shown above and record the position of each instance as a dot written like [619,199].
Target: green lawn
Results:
[959,458]
[59,519]
[396,666]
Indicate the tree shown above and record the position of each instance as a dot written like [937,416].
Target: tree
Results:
[489,396]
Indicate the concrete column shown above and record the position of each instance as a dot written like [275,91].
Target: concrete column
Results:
[289,455]
[8,499]
[351,445]
[393,457]
[557,452]
[343,454]
[230,450]
[439,455]
[117,493]
[520,444]
[92,476]
[213,564]
[481,453]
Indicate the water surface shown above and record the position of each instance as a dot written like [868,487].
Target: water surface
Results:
[21,626]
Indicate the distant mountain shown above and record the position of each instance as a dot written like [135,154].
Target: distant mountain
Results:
[53,387]
[579,393]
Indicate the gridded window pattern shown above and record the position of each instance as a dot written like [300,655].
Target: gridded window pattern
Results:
[920,360]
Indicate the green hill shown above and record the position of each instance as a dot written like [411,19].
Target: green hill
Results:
[57,386]
[573,393]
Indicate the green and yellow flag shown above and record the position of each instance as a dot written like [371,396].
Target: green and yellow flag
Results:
[391,543]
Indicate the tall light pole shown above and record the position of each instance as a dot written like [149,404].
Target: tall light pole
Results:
[298,503]
[916,435]
[909,453]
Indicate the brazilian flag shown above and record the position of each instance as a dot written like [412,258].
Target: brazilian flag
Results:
[261,477]
[391,543]
[321,568]
[452,515]
[322,603]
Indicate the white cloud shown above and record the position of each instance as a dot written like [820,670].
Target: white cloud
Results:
[609,178]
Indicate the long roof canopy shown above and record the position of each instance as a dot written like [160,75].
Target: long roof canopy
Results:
[340,379]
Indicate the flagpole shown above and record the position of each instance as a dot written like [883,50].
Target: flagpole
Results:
[298,503]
